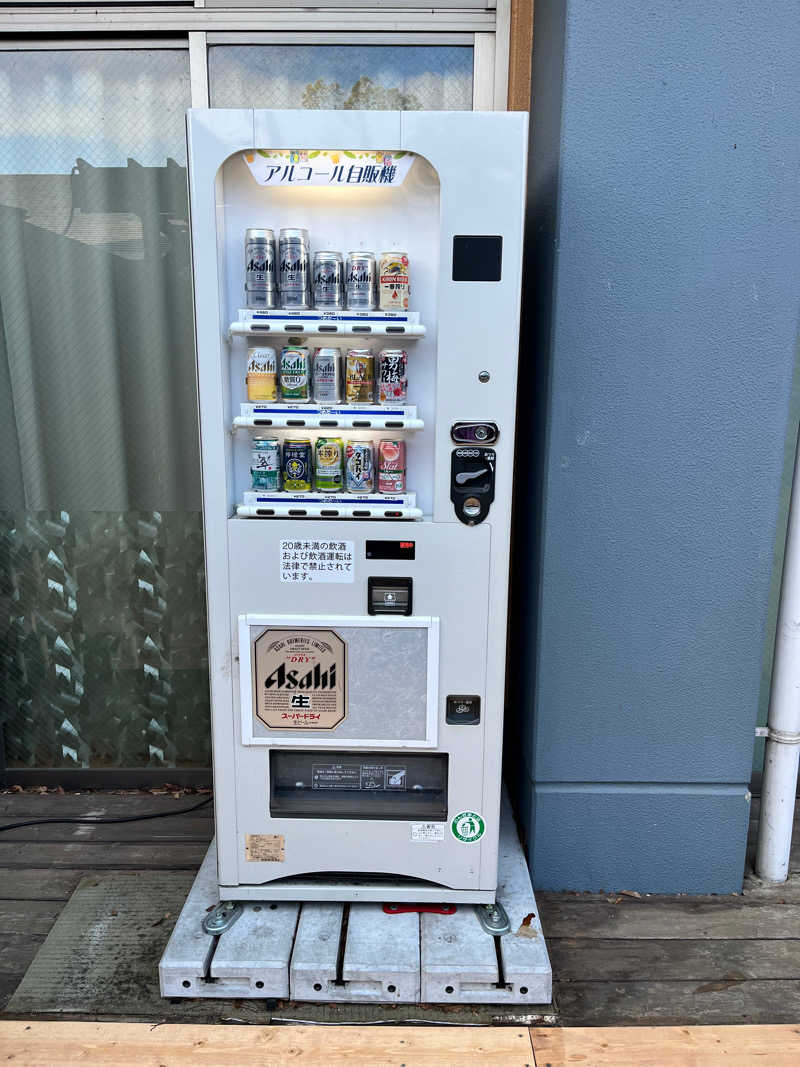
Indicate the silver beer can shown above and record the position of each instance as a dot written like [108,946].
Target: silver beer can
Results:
[327,283]
[328,377]
[361,281]
[260,290]
[294,268]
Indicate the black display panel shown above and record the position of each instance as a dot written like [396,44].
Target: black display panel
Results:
[362,785]
[477,258]
[391,549]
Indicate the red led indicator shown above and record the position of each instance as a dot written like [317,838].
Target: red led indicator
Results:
[406,544]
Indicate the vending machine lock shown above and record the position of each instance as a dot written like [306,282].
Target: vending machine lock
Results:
[389,596]
[480,433]
[472,483]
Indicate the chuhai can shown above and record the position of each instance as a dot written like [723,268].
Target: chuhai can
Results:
[327,376]
[329,465]
[391,466]
[393,281]
[293,268]
[327,281]
[265,463]
[359,376]
[361,281]
[297,475]
[360,468]
[295,377]
[393,376]
[260,290]
[262,373]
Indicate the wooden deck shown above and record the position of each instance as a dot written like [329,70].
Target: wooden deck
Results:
[618,959]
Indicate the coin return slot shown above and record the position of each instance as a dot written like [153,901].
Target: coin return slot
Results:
[389,596]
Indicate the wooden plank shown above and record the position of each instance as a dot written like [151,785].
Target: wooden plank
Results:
[174,828]
[677,1003]
[41,1044]
[38,884]
[520,55]
[680,1046]
[36,916]
[101,856]
[17,951]
[599,959]
[787,892]
[685,918]
[15,806]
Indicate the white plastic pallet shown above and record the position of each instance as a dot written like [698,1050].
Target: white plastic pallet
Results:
[307,952]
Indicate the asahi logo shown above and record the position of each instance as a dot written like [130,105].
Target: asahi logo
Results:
[314,679]
[300,679]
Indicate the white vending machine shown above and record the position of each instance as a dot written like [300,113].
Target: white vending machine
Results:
[357,289]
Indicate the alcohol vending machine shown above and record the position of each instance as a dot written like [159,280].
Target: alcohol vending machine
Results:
[357,289]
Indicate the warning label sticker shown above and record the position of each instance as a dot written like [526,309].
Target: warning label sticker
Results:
[369,777]
[427,831]
[264,848]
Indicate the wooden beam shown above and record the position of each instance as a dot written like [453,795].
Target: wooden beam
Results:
[520,54]
[42,1044]
[667,1046]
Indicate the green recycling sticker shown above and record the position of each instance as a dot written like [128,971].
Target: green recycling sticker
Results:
[468,826]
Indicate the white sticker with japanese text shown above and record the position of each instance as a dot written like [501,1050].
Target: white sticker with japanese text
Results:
[427,831]
[305,561]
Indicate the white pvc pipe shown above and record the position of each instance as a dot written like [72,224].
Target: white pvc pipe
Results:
[783,724]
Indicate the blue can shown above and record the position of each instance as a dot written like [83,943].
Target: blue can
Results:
[265,463]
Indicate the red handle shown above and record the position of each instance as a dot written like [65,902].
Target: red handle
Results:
[432,909]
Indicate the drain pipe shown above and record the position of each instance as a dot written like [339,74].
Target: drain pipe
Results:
[783,723]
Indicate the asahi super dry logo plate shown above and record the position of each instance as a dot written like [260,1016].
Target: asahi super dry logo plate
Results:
[300,679]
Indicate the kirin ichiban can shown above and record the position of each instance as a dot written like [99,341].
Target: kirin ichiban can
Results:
[260,290]
[359,468]
[329,465]
[295,376]
[297,465]
[327,376]
[359,376]
[394,287]
[393,376]
[262,373]
[327,281]
[265,463]
[293,269]
[391,466]
[361,278]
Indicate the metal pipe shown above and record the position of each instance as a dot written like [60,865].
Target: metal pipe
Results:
[783,722]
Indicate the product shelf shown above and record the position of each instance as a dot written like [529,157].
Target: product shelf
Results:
[320,417]
[315,505]
[317,322]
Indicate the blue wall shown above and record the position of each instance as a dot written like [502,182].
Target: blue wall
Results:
[663,280]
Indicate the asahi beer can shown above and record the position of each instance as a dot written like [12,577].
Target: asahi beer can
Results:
[327,376]
[260,290]
[293,268]
[297,473]
[265,463]
[327,280]
[359,376]
[329,465]
[262,373]
[294,372]
[359,467]
[394,288]
[392,376]
[361,277]
[391,466]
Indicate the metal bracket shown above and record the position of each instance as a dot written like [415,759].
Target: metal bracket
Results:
[493,918]
[222,917]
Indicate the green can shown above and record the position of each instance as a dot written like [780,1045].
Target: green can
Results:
[295,376]
[329,464]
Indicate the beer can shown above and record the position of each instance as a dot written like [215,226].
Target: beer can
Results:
[360,467]
[260,290]
[294,372]
[265,463]
[262,373]
[361,281]
[394,287]
[391,466]
[327,282]
[297,474]
[359,376]
[392,376]
[327,376]
[329,465]
[293,268]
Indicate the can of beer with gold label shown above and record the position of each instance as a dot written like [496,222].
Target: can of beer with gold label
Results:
[359,376]
[262,373]
[394,288]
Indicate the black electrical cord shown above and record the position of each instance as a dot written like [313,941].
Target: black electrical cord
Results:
[123,818]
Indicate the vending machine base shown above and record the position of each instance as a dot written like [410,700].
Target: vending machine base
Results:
[363,952]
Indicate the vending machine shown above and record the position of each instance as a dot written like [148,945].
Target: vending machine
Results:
[357,289]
